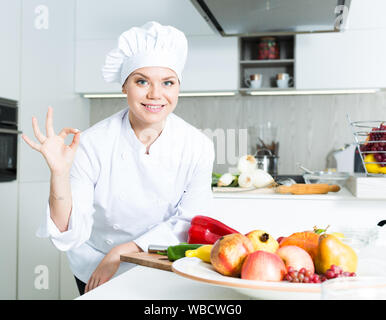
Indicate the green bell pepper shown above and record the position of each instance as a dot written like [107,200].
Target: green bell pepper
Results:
[178,251]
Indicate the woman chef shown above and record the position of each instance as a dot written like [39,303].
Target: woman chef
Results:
[135,178]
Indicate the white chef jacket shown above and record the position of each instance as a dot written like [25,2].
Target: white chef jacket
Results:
[121,194]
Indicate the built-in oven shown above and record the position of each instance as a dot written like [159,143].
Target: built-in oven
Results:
[8,139]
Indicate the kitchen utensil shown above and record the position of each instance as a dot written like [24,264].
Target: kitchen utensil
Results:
[304,169]
[154,248]
[286,181]
[266,134]
[332,178]
[342,159]
[298,188]
[302,188]
[283,80]
[266,161]
[146,259]
[254,81]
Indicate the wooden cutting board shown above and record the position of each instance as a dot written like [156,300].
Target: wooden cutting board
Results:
[146,259]
[243,190]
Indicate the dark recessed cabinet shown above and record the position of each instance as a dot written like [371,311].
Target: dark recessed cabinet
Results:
[267,56]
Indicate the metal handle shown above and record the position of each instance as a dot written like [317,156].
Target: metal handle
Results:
[8,122]
[264,150]
[154,248]
[2,130]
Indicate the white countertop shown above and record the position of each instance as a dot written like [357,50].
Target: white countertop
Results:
[143,283]
[267,193]
[343,194]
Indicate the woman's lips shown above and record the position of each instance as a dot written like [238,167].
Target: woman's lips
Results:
[153,107]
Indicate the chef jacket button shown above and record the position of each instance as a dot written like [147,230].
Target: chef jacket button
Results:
[109,242]
[116,226]
[123,155]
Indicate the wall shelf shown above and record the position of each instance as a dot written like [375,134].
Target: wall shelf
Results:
[250,64]
[271,63]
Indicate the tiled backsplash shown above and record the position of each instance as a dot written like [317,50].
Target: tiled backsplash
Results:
[309,126]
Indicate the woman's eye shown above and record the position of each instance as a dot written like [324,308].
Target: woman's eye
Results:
[168,83]
[142,82]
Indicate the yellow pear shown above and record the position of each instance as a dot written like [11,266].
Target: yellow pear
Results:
[332,250]
[261,240]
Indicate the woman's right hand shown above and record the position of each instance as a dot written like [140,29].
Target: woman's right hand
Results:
[58,155]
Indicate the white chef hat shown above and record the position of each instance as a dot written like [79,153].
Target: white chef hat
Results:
[152,45]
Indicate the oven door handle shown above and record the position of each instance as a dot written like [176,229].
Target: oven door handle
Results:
[2,130]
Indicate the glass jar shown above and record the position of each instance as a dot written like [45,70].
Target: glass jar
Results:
[268,48]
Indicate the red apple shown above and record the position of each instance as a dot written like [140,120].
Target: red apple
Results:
[263,266]
[229,252]
[296,257]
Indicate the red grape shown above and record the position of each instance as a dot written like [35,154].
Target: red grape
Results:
[305,276]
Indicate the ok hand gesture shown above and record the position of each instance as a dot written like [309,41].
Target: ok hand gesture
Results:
[58,155]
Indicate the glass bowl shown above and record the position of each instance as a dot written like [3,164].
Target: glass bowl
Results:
[338,178]
[355,288]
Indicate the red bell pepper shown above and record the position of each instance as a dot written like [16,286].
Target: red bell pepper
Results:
[206,230]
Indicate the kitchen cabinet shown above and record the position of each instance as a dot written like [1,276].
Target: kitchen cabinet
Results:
[366,15]
[353,58]
[10,54]
[67,285]
[8,243]
[48,79]
[97,20]
[38,259]
[211,65]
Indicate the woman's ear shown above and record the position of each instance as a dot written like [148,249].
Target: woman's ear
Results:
[124,87]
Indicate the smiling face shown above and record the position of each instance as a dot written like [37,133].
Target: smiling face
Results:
[152,94]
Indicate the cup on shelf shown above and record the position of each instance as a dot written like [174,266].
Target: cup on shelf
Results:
[284,80]
[254,81]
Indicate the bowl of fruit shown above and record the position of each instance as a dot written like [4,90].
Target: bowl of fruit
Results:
[264,267]
[370,136]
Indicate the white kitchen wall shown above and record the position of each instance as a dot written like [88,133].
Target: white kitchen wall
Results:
[309,126]
[8,243]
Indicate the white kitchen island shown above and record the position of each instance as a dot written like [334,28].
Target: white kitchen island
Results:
[279,215]
[283,214]
[143,283]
